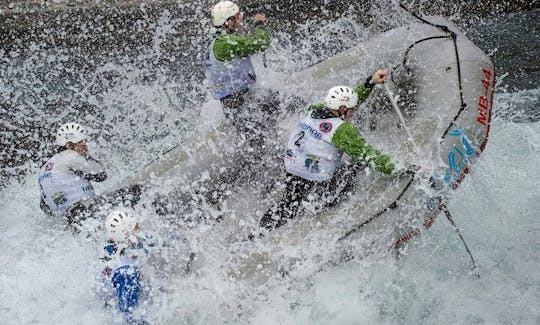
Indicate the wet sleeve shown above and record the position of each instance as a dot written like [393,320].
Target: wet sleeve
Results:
[88,168]
[313,107]
[348,139]
[230,46]
[363,91]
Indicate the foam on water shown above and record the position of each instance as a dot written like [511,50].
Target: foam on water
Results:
[496,209]
[49,275]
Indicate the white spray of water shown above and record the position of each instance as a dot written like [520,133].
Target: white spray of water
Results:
[48,274]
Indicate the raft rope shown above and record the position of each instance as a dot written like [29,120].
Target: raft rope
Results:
[453,36]
[391,206]
[463,105]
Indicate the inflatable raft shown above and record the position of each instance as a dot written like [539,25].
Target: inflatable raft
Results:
[443,85]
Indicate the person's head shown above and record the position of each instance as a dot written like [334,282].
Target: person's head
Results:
[342,101]
[226,14]
[72,136]
[121,227]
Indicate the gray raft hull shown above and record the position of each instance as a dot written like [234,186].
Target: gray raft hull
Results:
[445,86]
[446,99]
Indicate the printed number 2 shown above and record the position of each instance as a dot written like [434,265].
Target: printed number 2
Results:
[300,136]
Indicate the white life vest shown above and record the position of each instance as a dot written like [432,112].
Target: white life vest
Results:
[226,78]
[60,187]
[310,152]
[124,254]
[115,258]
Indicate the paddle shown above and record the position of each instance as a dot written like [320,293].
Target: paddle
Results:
[476,274]
[445,208]
[400,116]
[189,263]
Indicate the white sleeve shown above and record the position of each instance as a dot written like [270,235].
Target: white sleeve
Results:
[88,166]
[84,167]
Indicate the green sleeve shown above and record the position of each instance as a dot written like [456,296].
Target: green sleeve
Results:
[230,46]
[348,139]
[313,107]
[363,92]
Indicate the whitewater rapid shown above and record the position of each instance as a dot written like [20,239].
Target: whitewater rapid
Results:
[49,275]
[137,112]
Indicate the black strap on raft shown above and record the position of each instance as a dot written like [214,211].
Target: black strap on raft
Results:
[451,220]
[406,56]
[453,36]
[391,206]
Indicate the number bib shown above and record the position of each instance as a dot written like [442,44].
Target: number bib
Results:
[310,152]
[60,186]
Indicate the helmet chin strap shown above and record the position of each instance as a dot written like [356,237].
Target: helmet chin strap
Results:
[229,28]
[345,111]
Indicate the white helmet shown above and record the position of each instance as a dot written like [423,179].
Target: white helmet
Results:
[341,96]
[222,11]
[120,225]
[70,132]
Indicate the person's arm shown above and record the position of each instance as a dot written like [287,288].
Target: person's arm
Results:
[230,46]
[348,139]
[313,107]
[87,167]
[364,89]
[43,206]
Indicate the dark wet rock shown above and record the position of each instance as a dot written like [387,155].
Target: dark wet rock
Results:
[116,26]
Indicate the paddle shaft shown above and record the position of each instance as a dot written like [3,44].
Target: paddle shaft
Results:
[400,116]
[451,220]
[189,263]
